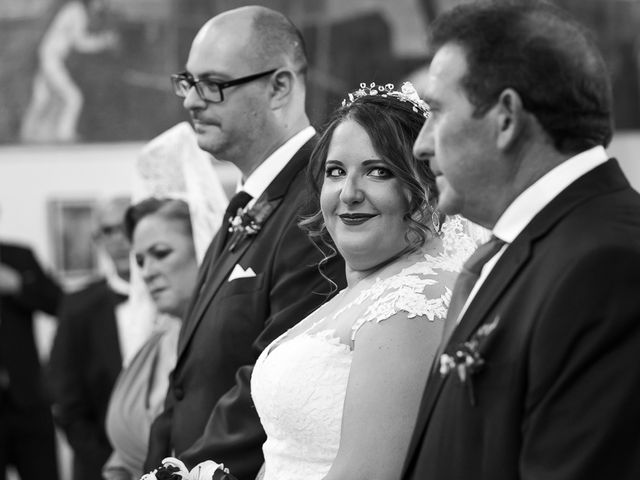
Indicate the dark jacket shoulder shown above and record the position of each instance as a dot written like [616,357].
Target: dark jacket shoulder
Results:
[92,296]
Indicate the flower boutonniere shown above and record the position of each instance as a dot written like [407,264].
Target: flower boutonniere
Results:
[466,359]
[248,222]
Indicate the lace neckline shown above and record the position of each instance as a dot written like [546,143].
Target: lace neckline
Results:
[397,286]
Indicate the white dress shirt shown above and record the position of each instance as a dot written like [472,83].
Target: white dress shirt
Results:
[256,183]
[530,202]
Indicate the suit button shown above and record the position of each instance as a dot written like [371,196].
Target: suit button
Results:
[178,392]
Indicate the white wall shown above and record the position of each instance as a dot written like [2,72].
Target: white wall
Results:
[31,176]
[626,148]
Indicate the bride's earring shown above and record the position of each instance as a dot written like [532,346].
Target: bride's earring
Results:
[435,220]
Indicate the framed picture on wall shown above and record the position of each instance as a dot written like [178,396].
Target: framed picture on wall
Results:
[71,232]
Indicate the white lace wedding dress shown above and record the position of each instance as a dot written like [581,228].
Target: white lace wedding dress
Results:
[299,382]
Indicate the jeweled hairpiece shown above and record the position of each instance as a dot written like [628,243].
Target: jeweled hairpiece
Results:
[407,93]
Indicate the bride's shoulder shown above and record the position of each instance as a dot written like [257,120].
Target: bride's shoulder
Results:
[418,290]
[420,285]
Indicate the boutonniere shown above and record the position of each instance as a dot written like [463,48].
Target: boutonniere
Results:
[248,222]
[466,359]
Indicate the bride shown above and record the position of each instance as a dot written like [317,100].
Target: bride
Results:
[339,393]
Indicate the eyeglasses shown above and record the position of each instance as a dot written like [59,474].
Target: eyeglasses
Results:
[209,90]
[108,230]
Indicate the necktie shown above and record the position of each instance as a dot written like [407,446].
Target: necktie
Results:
[237,202]
[120,298]
[465,282]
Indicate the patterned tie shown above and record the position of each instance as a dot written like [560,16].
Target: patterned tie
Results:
[465,282]
[238,201]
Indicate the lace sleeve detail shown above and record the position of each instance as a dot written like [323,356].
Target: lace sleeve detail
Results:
[407,292]
[420,290]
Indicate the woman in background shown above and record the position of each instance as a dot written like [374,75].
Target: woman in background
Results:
[162,243]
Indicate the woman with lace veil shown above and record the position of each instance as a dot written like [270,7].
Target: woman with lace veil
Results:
[179,203]
[338,394]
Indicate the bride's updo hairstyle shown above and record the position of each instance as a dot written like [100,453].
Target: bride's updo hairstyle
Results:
[393,120]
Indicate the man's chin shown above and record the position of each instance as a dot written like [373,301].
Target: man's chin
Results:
[450,204]
[206,143]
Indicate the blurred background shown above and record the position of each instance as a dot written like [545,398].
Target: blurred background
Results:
[114,95]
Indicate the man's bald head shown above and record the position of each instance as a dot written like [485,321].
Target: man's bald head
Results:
[265,37]
[254,117]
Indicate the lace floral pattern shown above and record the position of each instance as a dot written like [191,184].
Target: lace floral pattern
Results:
[402,292]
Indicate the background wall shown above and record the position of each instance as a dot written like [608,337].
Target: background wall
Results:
[126,89]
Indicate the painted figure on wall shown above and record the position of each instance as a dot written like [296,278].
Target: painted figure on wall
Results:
[56,100]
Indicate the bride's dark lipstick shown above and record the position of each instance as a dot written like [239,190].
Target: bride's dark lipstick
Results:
[355,218]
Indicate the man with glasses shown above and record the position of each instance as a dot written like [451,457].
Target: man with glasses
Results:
[244,87]
[91,344]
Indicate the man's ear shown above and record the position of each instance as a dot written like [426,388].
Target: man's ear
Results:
[510,118]
[281,88]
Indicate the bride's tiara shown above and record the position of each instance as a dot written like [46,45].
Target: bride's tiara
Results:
[407,93]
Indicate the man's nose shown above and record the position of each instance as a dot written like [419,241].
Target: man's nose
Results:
[193,101]
[423,146]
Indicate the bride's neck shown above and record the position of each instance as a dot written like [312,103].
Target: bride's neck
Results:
[400,260]
[355,276]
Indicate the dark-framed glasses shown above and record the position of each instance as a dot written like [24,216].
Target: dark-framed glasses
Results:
[106,230]
[208,89]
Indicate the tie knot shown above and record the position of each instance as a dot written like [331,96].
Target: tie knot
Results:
[239,200]
[482,255]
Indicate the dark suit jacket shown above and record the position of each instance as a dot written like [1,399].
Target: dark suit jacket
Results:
[559,394]
[27,437]
[18,353]
[85,361]
[209,413]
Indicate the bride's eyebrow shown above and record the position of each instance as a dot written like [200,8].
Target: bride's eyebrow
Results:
[375,161]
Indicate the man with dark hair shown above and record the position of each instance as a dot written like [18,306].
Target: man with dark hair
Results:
[244,87]
[534,378]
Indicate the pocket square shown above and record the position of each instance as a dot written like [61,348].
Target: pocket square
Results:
[239,272]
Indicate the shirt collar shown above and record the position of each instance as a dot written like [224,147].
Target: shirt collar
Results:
[530,202]
[263,175]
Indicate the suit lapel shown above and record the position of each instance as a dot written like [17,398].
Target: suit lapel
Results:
[110,329]
[210,286]
[203,273]
[601,180]
[221,261]
[504,271]
[218,242]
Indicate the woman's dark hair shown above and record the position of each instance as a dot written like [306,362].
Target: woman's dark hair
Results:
[393,126]
[169,208]
[536,49]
